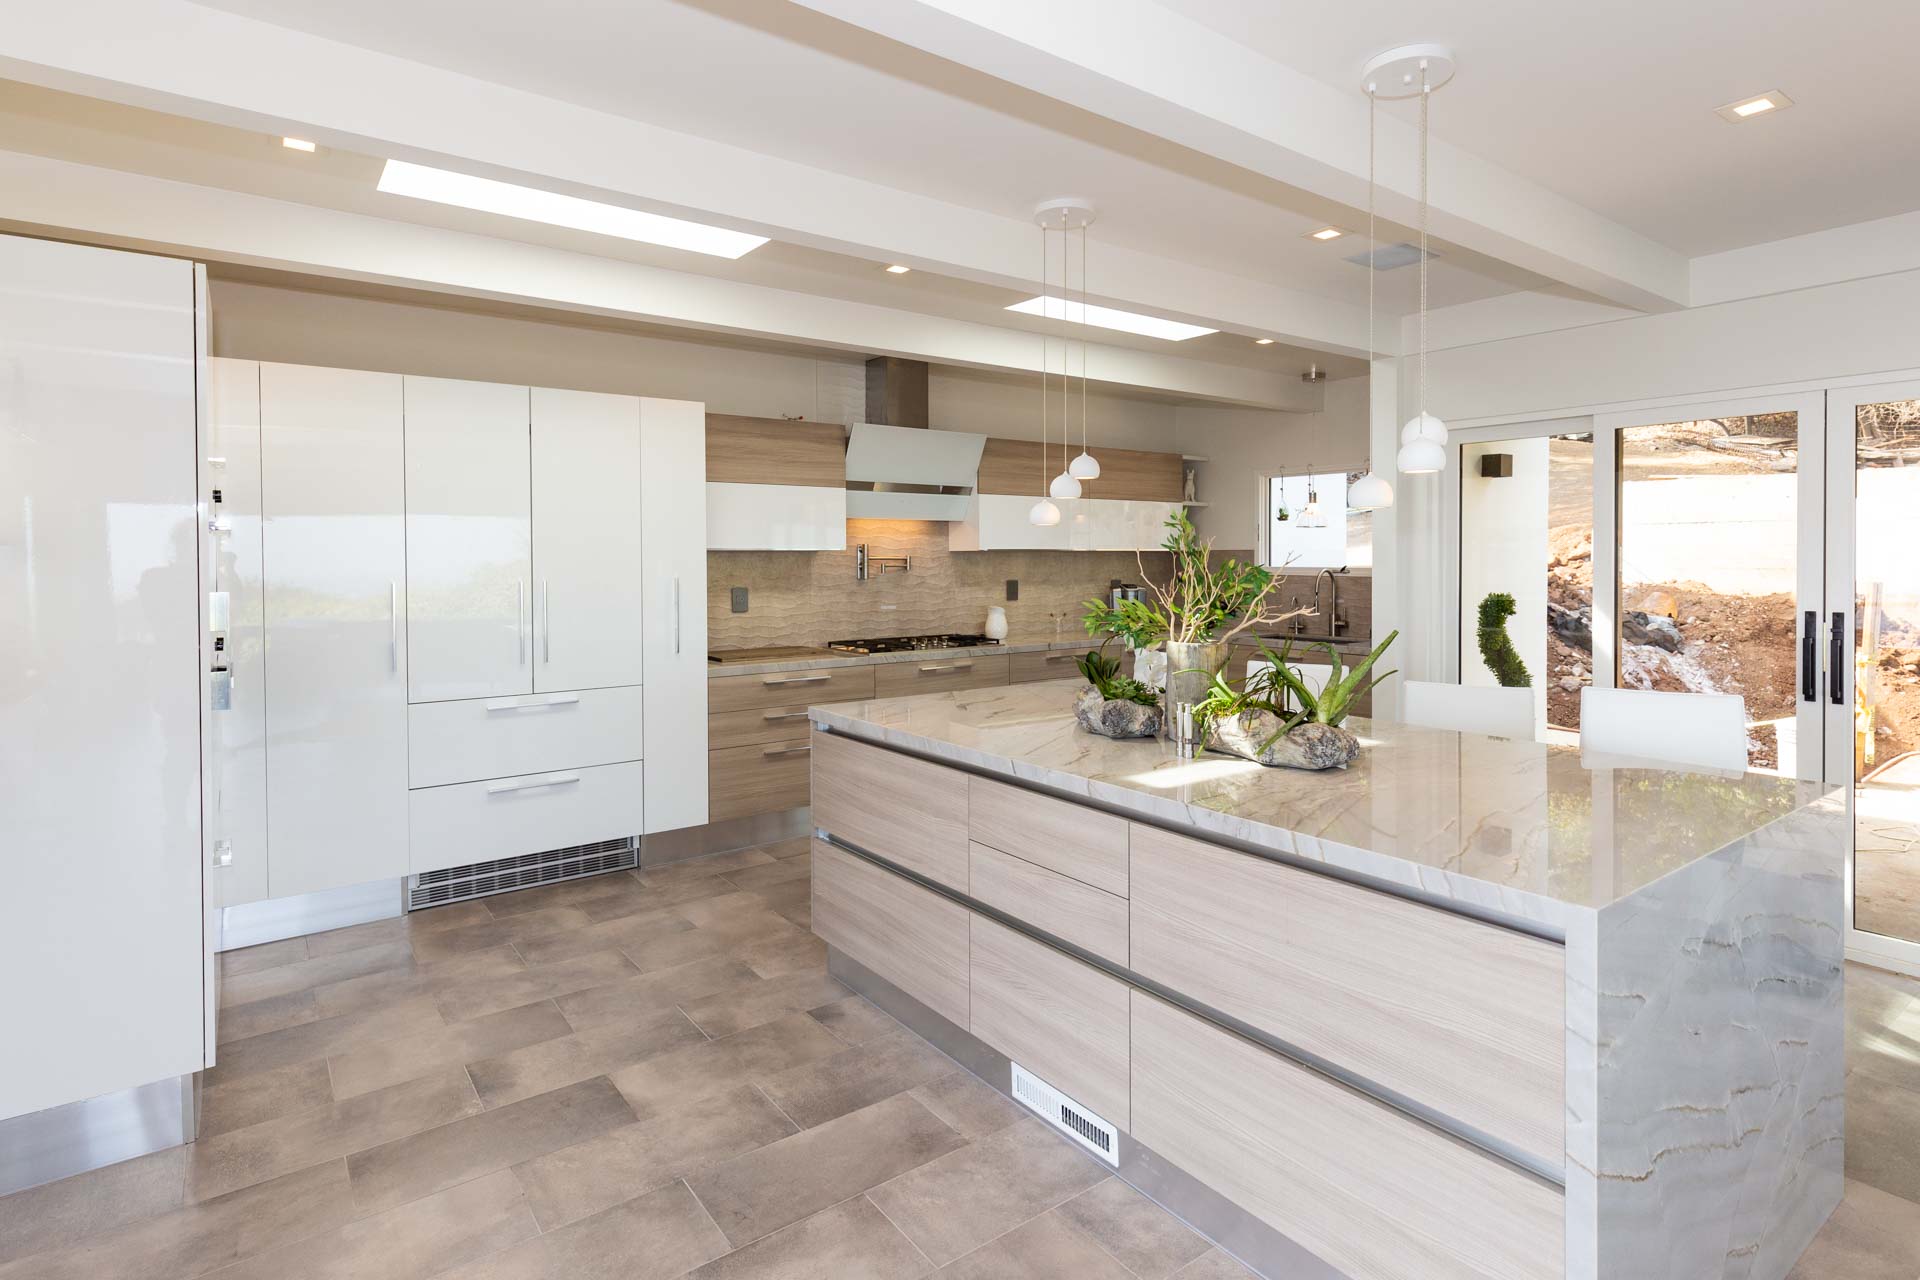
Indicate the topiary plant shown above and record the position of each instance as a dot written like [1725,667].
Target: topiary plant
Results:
[1496,648]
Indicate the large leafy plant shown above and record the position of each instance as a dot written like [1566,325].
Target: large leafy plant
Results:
[1269,688]
[1202,601]
[1103,673]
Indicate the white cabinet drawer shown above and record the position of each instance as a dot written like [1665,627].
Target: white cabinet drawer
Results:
[506,817]
[528,733]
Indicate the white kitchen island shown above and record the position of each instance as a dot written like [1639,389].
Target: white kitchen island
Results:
[1471,1007]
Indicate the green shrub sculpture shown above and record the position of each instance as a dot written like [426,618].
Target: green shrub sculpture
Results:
[1496,649]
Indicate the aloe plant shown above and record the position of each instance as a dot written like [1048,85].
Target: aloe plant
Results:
[1268,688]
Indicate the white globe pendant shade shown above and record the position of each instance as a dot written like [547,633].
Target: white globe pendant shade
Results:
[1422,457]
[1370,493]
[1043,514]
[1084,467]
[1423,426]
[1064,486]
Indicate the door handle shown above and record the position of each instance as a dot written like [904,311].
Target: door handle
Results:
[520,617]
[797,680]
[784,715]
[546,626]
[951,666]
[1836,638]
[676,615]
[530,784]
[1809,659]
[535,700]
[393,625]
[786,751]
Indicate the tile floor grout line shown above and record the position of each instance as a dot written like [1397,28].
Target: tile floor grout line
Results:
[797,1126]
[708,1213]
[932,1267]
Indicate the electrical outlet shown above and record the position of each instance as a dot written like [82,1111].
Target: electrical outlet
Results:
[738,595]
[1013,588]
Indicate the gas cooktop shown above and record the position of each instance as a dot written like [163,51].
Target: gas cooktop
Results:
[907,644]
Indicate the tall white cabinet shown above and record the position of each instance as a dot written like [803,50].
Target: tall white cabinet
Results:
[333,552]
[673,508]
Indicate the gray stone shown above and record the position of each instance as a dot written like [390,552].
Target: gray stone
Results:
[1115,718]
[1305,746]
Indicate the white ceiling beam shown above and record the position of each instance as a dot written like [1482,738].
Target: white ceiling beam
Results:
[174,56]
[115,207]
[1145,66]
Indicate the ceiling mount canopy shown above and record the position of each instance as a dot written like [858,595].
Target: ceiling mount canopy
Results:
[1397,72]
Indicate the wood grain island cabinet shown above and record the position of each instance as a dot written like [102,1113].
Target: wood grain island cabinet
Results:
[1390,1022]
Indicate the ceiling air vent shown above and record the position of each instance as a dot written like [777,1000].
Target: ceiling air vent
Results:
[1391,258]
[502,875]
[1066,1115]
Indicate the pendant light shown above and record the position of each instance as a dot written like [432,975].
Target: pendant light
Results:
[1370,492]
[1084,465]
[1066,215]
[1311,517]
[1043,514]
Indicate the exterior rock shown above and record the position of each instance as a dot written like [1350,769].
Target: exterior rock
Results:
[1116,718]
[1305,746]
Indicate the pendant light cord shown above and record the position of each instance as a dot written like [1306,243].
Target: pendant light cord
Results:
[1083,337]
[1425,93]
[1043,364]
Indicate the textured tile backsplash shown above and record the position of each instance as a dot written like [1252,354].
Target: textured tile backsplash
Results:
[811,597]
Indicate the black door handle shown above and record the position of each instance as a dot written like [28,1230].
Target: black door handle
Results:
[1835,657]
[1809,657]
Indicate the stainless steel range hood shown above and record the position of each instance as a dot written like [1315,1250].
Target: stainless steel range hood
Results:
[903,470]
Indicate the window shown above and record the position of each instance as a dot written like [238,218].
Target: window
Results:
[1302,533]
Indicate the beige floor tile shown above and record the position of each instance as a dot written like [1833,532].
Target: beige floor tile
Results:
[781,954]
[199,1238]
[749,1006]
[779,898]
[571,893]
[264,1095]
[418,979]
[480,1144]
[658,1236]
[798,847]
[439,919]
[275,1013]
[669,950]
[968,1105]
[1146,1239]
[461,999]
[530,927]
[652,994]
[244,1157]
[816,1092]
[660,1084]
[697,868]
[783,1182]
[563,1060]
[738,917]
[375,1066]
[768,874]
[1883,1135]
[617,935]
[854,1019]
[331,1035]
[959,1202]
[1218,1264]
[850,1241]
[265,956]
[304,975]
[411,1242]
[671,892]
[1871,1236]
[620,1164]
[1047,1248]
[66,1212]
[352,938]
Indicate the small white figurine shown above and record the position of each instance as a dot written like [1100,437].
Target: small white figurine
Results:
[1189,492]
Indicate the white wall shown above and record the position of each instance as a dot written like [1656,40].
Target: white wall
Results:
[1503,547]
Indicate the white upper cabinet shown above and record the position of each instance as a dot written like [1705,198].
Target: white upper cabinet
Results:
[469,558]
[333,539]
[587,594]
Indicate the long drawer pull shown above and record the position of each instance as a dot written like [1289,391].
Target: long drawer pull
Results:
[951,666]
[784,715]
[532,700]
[1062,657]
[530,784]
[797,680]
[786,751]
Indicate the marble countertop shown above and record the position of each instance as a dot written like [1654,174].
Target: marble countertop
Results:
[1518,830]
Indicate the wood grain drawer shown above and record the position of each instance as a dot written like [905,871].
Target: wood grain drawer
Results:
[907,811]
[789,688]
[1089,918]
[1368,1189]
[506,817]
[1057,664]
[751,728]
[1072,839]
[765,778]
[1462,1016]
[1064,1020]
[476,738]
[938,675]
[909,935]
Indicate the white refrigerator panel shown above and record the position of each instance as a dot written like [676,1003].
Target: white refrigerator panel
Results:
[469,567]
[587,595]
[673,500]
[334,554]
[100,608]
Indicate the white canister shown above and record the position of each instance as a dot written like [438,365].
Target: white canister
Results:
[996,628]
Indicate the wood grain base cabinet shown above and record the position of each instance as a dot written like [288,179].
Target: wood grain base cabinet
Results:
[1091,919]
[1370,1190]
[911,936]
[1025,668]
[762,778]
[938,675]
[1072,839]
[905,810]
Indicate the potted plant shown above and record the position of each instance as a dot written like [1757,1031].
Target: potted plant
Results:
[1113,705]
[1195,614]
[1253,721]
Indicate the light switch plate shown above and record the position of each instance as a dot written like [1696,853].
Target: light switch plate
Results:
[1013,588]
[738,596]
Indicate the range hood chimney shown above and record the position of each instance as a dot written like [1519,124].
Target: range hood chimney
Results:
[897,468]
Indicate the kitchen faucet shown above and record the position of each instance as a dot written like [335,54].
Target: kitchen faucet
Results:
[1335,623]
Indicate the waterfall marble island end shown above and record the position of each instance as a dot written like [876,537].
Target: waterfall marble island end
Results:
[1585,1019]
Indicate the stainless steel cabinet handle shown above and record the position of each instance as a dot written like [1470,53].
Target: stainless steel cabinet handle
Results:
[951,666]
[535,700]
[784,715]
[795,679]
[546,627]
[786,751]
[676,615]
[520,618]
[393,625]
[1062,657]
[530,784]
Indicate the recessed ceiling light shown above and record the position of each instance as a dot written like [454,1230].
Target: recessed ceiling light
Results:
[1108,318]
[1326,233]
[297,144]
[1747,108]
[443,186]
[1263,342]
[897,270]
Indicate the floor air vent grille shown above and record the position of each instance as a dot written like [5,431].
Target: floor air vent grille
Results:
[1066,1115]
[502,875]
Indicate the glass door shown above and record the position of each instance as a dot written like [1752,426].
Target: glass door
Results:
[1872,637]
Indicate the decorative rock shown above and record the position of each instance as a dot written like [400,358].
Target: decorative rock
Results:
[1115,718]
[1305,746]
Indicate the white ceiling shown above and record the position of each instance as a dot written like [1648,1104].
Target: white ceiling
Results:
[1612,105]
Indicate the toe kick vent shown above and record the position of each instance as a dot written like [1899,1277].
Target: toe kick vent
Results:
[502,875]
[1066,1115]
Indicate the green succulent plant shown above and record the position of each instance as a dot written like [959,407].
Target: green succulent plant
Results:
[1269,688]
[1103,673]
